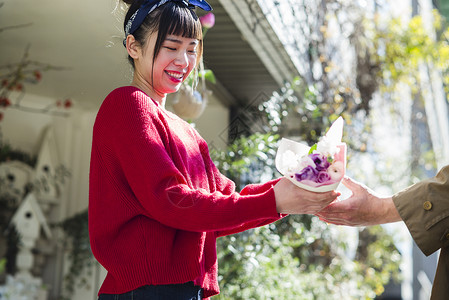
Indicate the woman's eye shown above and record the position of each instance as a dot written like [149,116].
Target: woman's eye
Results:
[170,48]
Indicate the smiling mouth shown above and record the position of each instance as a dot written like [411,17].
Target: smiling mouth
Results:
[175,75]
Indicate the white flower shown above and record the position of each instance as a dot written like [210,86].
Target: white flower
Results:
[18,289]
[336,170]
[289,161]
[327,147]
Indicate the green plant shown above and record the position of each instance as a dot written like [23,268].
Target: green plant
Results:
[79,252]
[252,156]
[406,48]
[2,265]
[300,257]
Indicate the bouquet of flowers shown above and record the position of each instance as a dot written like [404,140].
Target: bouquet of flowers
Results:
[319,168]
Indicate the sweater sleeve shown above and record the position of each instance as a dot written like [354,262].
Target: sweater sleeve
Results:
[254,189]
[142,147]
[424,207]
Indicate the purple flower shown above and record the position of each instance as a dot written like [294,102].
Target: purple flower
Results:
[320,161]
[322,177]
[308,173]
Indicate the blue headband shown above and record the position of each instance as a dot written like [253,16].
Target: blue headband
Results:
[149,5]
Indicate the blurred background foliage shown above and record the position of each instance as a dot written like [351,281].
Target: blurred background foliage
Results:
[300,257]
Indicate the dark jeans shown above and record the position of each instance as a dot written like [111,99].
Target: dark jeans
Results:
[185,291]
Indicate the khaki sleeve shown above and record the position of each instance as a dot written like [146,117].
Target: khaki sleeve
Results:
[424,207]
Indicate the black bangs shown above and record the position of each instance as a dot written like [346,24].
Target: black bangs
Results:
[181,21]
[178,20]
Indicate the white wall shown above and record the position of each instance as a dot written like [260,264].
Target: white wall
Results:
[213,125]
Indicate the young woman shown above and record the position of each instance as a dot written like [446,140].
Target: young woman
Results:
[157,203]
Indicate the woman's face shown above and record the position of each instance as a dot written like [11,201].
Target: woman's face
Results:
[174,62]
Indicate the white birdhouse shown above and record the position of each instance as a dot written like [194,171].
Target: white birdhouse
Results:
[28,220]
[47,162]
[16,175]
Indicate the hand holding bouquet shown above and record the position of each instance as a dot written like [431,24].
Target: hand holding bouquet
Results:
[319,168]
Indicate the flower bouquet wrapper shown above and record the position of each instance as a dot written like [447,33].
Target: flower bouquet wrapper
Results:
[319,168]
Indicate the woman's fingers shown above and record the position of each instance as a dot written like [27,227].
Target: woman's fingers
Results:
[294,200]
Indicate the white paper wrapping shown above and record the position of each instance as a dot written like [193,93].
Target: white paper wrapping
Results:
[290,158]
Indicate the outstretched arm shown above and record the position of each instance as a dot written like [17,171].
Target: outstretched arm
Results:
[290,199]
[363,208]
[424,207]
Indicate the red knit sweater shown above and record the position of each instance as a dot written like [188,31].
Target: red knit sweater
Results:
[157,203]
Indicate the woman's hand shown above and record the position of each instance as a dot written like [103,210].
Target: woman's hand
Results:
[291,199]
[363,208]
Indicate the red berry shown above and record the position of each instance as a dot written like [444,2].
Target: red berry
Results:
[38,75]
[4,102]
[68,103]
